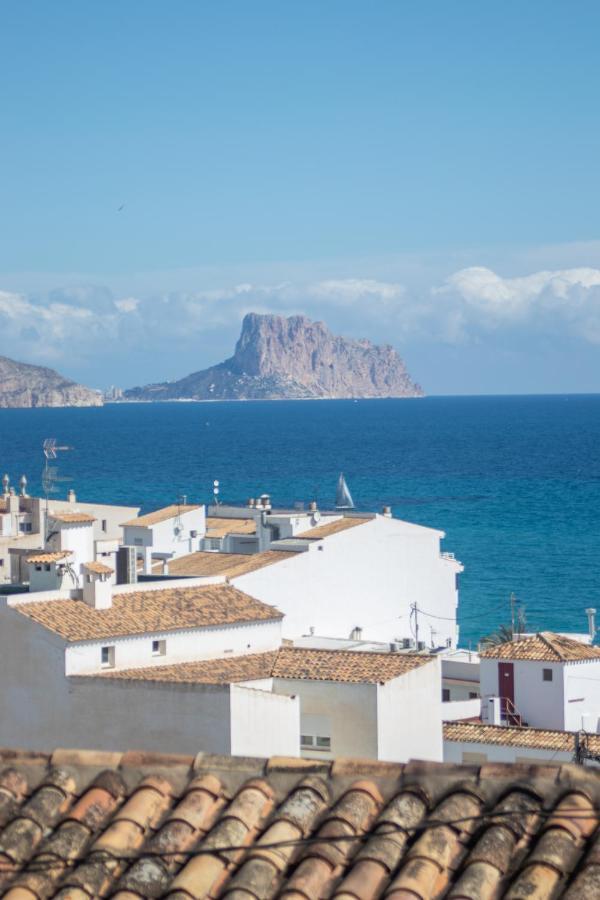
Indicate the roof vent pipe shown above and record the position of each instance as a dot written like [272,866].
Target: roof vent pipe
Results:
[387,512]
[591,614]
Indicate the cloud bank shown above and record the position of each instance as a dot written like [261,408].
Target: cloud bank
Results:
[88,326]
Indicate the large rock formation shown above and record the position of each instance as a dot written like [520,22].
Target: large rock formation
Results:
[25,385]
[277,358]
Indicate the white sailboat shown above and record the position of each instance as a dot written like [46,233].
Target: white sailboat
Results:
[343,497]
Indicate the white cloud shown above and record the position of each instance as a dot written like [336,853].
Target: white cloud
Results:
[80,324]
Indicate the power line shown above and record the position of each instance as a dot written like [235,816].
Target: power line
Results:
[575,813]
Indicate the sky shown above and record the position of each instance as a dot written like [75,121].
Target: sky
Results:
[423,174]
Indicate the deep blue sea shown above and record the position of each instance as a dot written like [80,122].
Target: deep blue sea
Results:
[513,481]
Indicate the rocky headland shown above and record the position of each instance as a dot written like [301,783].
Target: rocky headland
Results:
[24,385]
[279,358]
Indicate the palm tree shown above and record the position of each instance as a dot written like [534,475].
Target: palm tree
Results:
[501,635]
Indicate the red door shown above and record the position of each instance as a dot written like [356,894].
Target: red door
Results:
[506,684]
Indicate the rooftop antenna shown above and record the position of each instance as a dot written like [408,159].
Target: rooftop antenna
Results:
[216,491]
[50,476]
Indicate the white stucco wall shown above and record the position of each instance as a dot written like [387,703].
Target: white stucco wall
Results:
[409,716]
[582,695]
[457,752]
[172,536]
[366,576]
[345,712]
[264,724]
[539,702]
[134,651]
[40,708]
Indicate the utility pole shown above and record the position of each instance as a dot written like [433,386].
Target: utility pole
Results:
[415,609]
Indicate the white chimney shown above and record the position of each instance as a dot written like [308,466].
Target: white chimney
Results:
[387,512]
[71,496]
[312,506]
[591,614]
[97,589]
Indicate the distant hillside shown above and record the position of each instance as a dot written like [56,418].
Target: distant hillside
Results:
[277,358]
[23,385]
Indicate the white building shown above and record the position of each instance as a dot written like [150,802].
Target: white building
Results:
[56,650]
[344,572]
[165,534]
[545,680]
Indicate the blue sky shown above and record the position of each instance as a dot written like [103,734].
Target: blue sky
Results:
[365,163]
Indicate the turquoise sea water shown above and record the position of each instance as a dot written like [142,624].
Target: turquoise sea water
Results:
[513,481]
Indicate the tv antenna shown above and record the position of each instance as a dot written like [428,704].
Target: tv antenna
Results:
[50,476]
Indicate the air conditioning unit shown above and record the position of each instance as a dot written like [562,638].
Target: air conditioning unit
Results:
[421,645]
[407,643]
[394,647]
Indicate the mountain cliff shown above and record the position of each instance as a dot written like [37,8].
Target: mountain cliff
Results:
[277,358]
[23,385]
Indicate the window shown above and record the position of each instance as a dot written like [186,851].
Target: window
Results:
[104,525]
[307,740]
[107,657]
[445,695]
[88,578]
[159,648]
[324,743]
[547,674]
[38,568]
[473,695]
[47,567]
[315,742]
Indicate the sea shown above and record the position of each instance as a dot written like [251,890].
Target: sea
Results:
[514,482]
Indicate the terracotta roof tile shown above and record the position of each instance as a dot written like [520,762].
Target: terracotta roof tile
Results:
[534,738]
[545,646]
[231,565]
[72,518]
[161,515]
[329,528]
[142,612]
[345,665]
[244,829]
[98,567]
[288,662]
[48,556]
[219,527]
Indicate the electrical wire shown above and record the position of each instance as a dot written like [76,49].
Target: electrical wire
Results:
[575,813]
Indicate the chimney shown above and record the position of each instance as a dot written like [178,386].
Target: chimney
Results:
[312,506]
[23,483]
[591,614]
[97,589]
[251,503]
[356,633]
[387,512]
[5,485]
[12,502]
[71,496]
[265,501]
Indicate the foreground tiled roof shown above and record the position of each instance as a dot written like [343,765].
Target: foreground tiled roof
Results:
[289,662]
[78,825]
[141,612]
[161,515]
[545,646]
[48,556]
[343,524]
[231,565]
[72,518]
[219,527]
[506,736]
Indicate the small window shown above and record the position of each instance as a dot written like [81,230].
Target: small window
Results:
[38,568]
[445,695]
[107,657]
[159,648]
[473,695]
[547,674]
[104,525]
[307,740]
[323,743]
[47,567]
